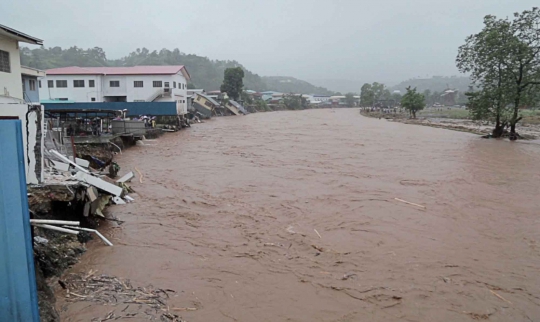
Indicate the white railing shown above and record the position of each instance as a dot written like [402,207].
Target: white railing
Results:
[161,92]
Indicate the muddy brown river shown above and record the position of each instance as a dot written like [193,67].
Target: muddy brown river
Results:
[293,216]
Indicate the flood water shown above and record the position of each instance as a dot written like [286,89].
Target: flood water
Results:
[230,212]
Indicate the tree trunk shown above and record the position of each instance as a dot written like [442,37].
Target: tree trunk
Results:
[498,130]
[515,117]
[413,114]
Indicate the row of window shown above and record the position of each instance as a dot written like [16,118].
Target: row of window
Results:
[91,83]
[93,99]
[63,83]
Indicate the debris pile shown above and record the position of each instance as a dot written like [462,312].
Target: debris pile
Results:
[68,206]
[146,303]
[89,186]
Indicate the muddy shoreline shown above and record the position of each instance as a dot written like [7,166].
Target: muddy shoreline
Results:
[293,216]
[527,131]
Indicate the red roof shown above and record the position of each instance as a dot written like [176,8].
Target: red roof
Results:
[135,70]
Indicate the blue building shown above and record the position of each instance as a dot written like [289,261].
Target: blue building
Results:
[31,83]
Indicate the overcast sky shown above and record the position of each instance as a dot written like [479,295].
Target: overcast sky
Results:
[376,40]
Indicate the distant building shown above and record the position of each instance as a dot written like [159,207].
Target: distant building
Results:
[192,92]
[337,100]
[321,98]
[235,108]
[117,84]
[270,93]
[31,83]
[449,97]
[205,105]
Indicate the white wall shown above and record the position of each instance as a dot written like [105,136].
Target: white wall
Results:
[29,142]
[103,87]
[78,94]
[127,88]
[11,83]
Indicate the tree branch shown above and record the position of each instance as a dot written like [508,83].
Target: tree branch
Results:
[529,83]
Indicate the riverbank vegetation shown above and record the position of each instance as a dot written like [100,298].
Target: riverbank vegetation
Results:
[504,62]
[413,102]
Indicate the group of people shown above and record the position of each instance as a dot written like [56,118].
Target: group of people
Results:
[95,126]
[149,121]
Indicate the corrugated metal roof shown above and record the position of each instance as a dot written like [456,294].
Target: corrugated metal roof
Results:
[134,108]
[238,106]
[18,293]
[21,36]
[209,98]
[135,70]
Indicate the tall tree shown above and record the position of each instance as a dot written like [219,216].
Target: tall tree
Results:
[413,101]
[292,101]
[366,95]
[504,62]
[396,97]
[349,99]
[233,82]
[427,95]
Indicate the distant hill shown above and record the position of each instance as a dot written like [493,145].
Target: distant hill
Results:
[339,85]
[293,85]
[435,84]
[205,73]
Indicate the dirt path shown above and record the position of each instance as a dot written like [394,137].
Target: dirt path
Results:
[230,212]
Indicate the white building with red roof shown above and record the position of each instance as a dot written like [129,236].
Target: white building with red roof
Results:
[117,84]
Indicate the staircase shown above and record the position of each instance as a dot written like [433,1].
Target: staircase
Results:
[161,92]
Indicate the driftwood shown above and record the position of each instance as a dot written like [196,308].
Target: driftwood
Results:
[146,303]
[410,203]
[140,175]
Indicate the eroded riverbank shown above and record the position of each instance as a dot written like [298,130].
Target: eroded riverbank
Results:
[528,129]
[230,212]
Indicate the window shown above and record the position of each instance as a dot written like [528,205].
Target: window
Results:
[91,83]
[78,83]
[93,99]
[50,84]
[158,83]
[61,83]
[138,84]
[207,103]
[39,84]
[139,101]
[114,84]
[167,84]
[32,84]
[63,99]
[23,86]
[174,84]
[5,65]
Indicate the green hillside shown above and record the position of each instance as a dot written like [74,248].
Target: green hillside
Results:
[205,73]
[285,84]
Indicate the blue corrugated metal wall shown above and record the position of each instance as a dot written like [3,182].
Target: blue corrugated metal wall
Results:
[18,291]
[134,108]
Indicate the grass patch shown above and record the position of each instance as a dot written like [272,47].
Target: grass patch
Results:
[452,113]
